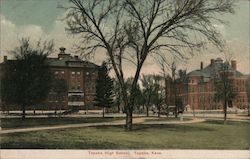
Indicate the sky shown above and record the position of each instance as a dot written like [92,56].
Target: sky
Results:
[42,19]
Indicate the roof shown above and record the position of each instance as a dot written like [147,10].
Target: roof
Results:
[213,69]
[195,73]
[69,61]
[218,59]
[64,60]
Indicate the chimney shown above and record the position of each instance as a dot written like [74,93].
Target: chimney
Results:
[62,50]
[233,64]
[212,61]
[62,53]
[5,59]
[201,65]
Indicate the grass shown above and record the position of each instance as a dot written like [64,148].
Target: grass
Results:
[207,135]
[9,123]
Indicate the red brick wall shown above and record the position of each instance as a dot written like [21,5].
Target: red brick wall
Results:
[201,95]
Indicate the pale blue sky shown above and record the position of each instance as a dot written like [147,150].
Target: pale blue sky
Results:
[45,12]
[40,18]
[38,12]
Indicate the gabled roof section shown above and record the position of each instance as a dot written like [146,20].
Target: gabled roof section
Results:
[213,69]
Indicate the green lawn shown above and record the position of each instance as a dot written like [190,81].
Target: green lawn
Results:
[38,122]
[207,135]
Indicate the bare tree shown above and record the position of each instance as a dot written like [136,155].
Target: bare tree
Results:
[224,86]
[143,28]
[117,92]
[153,92]
[148,90]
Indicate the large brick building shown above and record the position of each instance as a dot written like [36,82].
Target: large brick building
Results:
[198,90]
[80,77]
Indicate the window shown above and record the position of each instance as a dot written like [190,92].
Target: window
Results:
[78,87]
[73,74]
[56,72]
[62,72]
[87,73]
[78,73]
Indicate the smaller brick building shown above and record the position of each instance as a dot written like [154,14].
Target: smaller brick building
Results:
[198,90]
[80,77]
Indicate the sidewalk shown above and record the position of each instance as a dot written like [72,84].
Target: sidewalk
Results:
[117,122]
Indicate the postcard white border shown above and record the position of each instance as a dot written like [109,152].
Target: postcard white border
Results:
[124,154]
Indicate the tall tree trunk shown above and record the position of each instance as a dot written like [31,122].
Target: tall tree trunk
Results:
[225,111]
[23,108]
[147,111]
[147,106]
[131,101]
[175,103]
[176,112]
[129,119]
[167,110]
[159,111]
[55,110]
[118,107]
[103,111]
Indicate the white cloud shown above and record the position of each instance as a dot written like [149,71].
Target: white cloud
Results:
[6,23]
[221,28]
[33,31]
[60,37]
[10,33]
[7,36]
